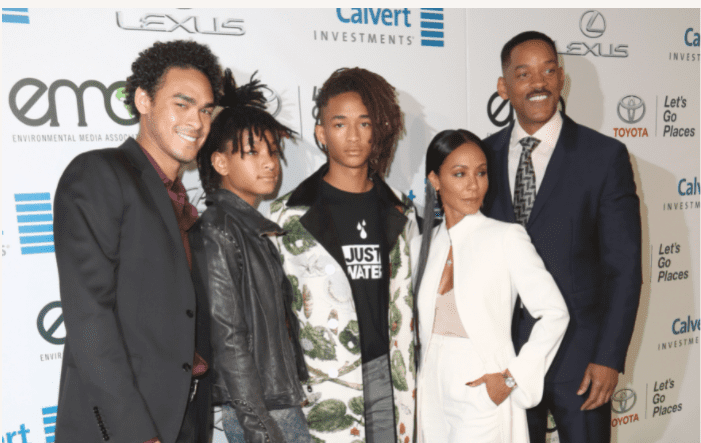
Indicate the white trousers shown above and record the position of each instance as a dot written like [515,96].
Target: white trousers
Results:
[449,411]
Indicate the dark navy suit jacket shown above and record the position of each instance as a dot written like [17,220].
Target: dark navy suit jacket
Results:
[585,224]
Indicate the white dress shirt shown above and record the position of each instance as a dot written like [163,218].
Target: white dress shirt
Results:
[548,135]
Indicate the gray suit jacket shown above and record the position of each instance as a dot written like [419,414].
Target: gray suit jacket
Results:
[128,302]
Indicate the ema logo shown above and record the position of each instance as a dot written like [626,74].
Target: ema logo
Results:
[33,211]
[50,422]
[432,27]
[15,15]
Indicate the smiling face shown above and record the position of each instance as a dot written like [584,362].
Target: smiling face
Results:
[176,121]
[532,83]
[255,174]
[461,182]
[346,130]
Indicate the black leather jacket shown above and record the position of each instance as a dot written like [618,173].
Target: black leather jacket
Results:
[258,362]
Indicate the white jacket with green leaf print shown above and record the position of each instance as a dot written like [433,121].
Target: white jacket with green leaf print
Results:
[324,304]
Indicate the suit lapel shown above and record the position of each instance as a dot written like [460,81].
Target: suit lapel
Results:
[504,188]
[159,197]
[556,166]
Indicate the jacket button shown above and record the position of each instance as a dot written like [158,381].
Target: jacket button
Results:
[309,388]
[187,367]
[190,313]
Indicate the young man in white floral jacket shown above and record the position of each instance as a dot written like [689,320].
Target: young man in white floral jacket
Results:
[346,253]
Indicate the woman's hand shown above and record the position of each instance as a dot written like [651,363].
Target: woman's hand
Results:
[496,386]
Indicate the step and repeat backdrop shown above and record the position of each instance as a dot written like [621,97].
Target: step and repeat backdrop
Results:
[631,74]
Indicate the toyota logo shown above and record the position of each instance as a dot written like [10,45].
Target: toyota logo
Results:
[623,401]
[592,24]
[634,108]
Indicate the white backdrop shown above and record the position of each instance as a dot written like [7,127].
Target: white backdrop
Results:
[48,54]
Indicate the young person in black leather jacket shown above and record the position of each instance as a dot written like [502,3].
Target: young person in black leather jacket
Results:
[258,362]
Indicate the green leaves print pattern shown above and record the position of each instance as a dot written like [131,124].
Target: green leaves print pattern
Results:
[399,372]
[350,337]
[297,240]
[329,416]
[315,345]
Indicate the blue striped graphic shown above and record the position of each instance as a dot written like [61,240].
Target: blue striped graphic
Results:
[34,207]
[38,249]
[432,18]
[15,18]
[40,196]
[50,419]
[33,211]
[35,218]
[36,228]
[434,34]
[29,239]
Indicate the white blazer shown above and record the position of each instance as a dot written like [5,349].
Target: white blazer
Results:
[494,262]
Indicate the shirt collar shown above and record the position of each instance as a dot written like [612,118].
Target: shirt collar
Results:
[547,134]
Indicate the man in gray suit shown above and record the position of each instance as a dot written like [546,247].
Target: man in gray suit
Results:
[137,337]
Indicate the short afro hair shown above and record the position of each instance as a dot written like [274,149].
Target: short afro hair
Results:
[380,99]
[521,38]
[152,64]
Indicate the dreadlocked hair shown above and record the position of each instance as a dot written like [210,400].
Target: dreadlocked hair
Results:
[380,99]
[243,114]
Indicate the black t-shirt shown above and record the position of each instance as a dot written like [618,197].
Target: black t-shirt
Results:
[361,234]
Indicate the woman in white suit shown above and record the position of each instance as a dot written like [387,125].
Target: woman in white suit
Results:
[471,385]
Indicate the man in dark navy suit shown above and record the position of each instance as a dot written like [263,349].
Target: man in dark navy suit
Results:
[573,190]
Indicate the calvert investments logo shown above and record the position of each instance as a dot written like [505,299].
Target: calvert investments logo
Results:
[49,415]
[592,24]
[385,26]
[35,222]
[15,15]
[180,22]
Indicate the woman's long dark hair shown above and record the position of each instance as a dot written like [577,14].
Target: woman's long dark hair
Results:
[438,150]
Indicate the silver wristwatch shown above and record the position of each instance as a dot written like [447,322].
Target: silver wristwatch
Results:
[509,380]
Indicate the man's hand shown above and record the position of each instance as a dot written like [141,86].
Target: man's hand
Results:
[496,386]
[603,381]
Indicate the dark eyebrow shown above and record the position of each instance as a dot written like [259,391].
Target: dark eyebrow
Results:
[191,100]
[187,98]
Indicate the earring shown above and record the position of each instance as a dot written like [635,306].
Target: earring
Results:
[324,148]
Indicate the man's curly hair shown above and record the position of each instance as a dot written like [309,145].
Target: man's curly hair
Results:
[380,99]
[150,67]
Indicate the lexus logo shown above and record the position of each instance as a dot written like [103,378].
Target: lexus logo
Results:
[623,401]
[592,24]
[49,333]
[634,108]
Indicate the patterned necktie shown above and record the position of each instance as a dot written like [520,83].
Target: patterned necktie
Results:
[524,194]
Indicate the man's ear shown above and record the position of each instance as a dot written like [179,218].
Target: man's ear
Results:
[433,178]
[320,134]
[220,163]
[501,88]
[142,101]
